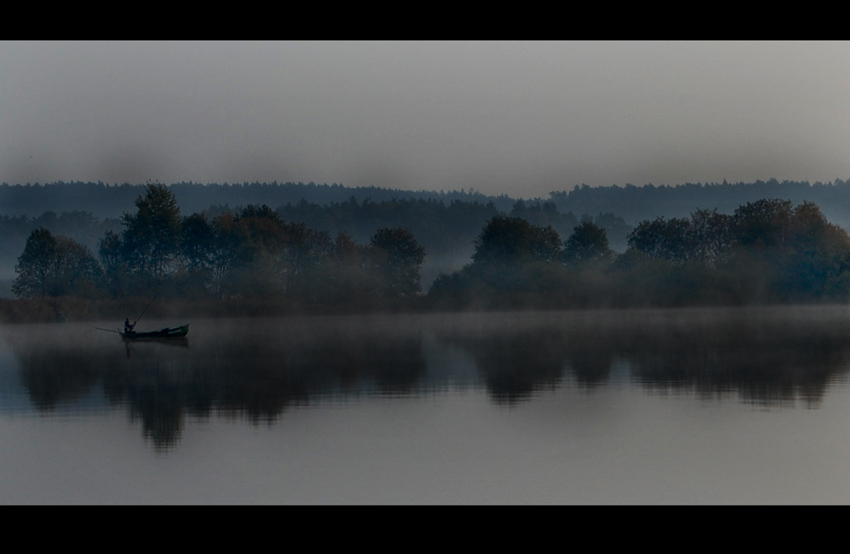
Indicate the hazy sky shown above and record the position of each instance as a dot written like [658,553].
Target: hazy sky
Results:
[521,118]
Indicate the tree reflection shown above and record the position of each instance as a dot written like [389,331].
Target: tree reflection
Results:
[765,363]
[160,408]
[768,357]
[515,364]
[258,373]
[55,376]
[260,369]
[589,362]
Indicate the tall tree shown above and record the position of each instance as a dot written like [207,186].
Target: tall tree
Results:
[764,223]
[152,234]
[587,245]
[115,261]
[398,257]
[303,260]
[509,240]
[54,266]
[348,282]
[35,267]
[196,250]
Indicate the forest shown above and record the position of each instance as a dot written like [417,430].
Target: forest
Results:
[446,224]
[632,203]
[766,252]
[253,260]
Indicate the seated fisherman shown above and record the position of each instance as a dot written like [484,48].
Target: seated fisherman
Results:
[128,327]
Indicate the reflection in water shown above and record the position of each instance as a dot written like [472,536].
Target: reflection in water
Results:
[514,364]
[768,357]
[258,369]
[56,375]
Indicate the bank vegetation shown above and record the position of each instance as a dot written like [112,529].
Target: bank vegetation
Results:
[251,262]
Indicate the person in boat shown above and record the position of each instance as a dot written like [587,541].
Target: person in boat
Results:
[128,327]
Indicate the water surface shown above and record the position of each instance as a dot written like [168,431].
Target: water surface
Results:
[644,406]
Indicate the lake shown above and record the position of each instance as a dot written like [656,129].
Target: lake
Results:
[687,406]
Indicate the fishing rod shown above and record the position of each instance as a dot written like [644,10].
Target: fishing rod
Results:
[110,330]
[146,308]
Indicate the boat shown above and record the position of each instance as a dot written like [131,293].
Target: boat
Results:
[167,333]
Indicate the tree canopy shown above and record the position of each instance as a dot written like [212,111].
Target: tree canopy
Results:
[508,240]
[768,250]
[398,257]
[55,266]
[151,234]
[587,245]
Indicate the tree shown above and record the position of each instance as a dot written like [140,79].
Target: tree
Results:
[509,241]
[116,268]
[764,223]
[515,264]
[54,266]
[815,257]
[254,250]
[398,257]
[243,251]
[712,235]
[665,239]
[706,237]
[196,243]
[767,251]
[225,255]
[303,259]
[35,266]
[77,270]
[152,235]
[348,282]
[587,245]
[196,249]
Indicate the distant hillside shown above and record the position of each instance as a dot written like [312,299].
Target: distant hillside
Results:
[110,201]
[632,203]
[635,204]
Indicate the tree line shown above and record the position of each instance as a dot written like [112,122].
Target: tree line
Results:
[637,203]
[633,203]
[250,252]
[446,229]
[110,200]
[446,222]
[765,251]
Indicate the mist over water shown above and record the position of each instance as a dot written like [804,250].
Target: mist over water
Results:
[420,408]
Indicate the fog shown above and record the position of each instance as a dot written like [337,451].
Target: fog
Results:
[517,118]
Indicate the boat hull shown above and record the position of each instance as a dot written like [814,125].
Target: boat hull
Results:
[167,333]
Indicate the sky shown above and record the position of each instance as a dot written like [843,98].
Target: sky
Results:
[521,118]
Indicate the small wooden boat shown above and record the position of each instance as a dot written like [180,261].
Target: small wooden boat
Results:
[167,333]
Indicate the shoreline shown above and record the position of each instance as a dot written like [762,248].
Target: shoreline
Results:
[71,309]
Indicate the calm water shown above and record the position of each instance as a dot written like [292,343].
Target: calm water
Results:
[679,406]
